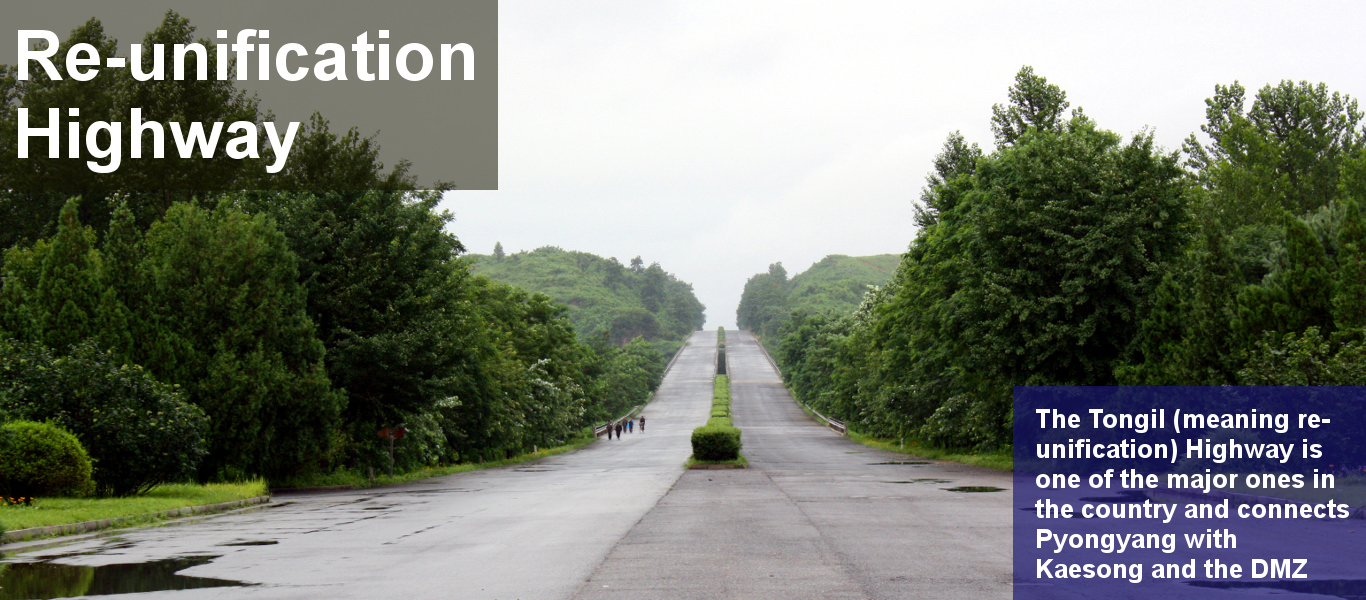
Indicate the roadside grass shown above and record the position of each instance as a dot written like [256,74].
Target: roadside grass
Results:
[42,512]
[141,510]
[738,463]
[999,459]
[357,479]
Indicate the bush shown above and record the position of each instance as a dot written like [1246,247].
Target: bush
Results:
[716,443]
[140,432]
[42,459]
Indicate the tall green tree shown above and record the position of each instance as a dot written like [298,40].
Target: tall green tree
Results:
[1037,275]
[1034,103]
[1283,154]
[379,274]
[763,303]
[225,318]
[956,159]
[52,290]
[35,187]
[1349,290]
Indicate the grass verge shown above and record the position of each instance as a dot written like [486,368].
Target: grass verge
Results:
[357,479]
[59,511]
[1000,459]
[738,463]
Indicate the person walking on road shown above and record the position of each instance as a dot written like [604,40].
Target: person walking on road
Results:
[618,430]
[630,424]
[609,430]
[642,423]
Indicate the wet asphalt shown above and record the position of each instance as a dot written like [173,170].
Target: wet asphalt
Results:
[815,516]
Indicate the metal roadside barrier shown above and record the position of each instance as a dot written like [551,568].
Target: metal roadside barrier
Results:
[601,429]
[766,355]
[836,425]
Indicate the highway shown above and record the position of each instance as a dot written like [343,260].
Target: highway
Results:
[535,530]
[816,516]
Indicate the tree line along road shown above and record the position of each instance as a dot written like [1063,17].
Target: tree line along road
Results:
[815,516]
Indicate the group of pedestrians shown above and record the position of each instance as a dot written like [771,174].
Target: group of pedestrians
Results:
[626,425]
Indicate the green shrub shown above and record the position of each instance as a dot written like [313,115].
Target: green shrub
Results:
[716,442]
[140,432]
[42,459]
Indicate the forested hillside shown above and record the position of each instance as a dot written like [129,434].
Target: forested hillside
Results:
[182,327]
[1067,254]
[604,297]
[833,286]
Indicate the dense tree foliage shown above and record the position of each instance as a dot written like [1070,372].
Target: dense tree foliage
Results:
[213,302]
[763,303]
[33,190]
[604,297]
[1068,256]
[139,432]
[37,187]
[198,317]
[835,285]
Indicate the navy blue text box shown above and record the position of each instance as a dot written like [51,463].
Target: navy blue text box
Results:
[1189,492]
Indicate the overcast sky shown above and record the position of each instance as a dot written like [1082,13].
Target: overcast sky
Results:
[718,137]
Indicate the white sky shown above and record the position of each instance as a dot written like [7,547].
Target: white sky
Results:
[718,137]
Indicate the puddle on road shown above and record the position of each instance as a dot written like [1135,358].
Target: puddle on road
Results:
[252,543]
[974,489]
[1351,589]
[49,580]
[902,462]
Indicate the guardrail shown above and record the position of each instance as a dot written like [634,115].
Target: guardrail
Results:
[836,425]
[766,355]
[601,429]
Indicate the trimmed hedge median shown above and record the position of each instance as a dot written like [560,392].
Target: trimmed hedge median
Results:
[718,442]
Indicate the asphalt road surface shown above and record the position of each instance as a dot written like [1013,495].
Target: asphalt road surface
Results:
[816,516]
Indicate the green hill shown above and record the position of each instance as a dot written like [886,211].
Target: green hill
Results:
[604,296]
[837,283]
[834,285]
